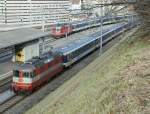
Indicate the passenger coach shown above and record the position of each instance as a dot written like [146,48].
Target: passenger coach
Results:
[76,50]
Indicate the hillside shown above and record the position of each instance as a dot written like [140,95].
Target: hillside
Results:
[118,82]
[142,7]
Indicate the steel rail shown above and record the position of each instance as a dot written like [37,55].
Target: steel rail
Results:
[10,103]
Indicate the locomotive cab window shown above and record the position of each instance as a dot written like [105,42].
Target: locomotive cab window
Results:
[16,73]
[57,29]
[29,74]
[26,74]
[32,74]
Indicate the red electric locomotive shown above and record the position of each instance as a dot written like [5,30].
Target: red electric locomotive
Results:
[59,30]
[30,75]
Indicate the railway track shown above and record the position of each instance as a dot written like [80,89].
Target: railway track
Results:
[14,100]
[5,83]
[10,103]
[6,53]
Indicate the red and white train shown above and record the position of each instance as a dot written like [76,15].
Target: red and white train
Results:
[61,29]
[30,75]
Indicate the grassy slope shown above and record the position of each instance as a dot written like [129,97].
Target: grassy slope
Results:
[109,85]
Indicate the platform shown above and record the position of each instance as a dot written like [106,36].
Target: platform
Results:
[19,36]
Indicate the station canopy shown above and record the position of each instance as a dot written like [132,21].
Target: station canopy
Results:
[19,36]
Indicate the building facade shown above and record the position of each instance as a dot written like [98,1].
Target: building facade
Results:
[75,4]
[33,12]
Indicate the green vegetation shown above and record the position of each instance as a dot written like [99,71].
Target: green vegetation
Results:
[115,83]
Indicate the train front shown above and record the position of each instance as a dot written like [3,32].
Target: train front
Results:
[59,30]
[22,78]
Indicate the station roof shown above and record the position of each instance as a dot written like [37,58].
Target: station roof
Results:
[18,36]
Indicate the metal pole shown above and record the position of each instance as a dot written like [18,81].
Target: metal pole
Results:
[132,20]
[101,29]
[30,11]
[66,29]
[5,11]
[42,47]
[66,35]
[43,23]
[124,22]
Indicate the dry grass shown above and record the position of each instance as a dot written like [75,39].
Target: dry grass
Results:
[115,83]
[142,7]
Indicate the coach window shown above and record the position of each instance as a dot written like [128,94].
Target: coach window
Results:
[76,53]
[69,56]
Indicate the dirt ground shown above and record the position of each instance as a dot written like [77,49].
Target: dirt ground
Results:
[118,82]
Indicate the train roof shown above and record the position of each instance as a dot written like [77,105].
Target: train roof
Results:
[83,21]
[23,67]
[73,45]
[71,23]
[36,61]
[97,18]
[78,43]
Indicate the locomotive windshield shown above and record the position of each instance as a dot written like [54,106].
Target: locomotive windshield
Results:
[58,29]
[16,73]
[28,74]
